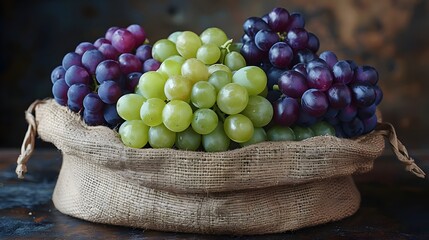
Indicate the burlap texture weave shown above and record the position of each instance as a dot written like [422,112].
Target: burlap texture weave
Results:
[264,188]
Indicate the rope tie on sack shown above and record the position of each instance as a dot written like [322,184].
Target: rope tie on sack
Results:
[387,130]
[29,140]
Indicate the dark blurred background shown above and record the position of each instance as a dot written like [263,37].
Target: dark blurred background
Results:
[391,35]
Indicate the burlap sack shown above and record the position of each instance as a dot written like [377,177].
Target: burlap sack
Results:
[264,188]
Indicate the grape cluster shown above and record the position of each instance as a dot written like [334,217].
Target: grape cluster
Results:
[91,79]
[308,91]
[202,96]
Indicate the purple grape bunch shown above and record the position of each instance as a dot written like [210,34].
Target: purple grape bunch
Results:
[94,76]
[304,87]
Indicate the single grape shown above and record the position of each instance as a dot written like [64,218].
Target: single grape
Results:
[178,88]
[83,47]
[234,61]
[108,70]
[259,135]
[59,90]
[93,103]
[134,133]
[343,73]
[171,67]
[151,111]
[323,128]
[297,38]
[265,39]
[173,36]
[313,42]
[238,128]
[71,59]
[366,74]
[177,115]
[232,98]
[280,133]
[90,60]
[302,133]
[280,55]
[195,70]
[314,102]
[128,106]
[353,128]
[219,79]
[151,65]
[144,52]
[111,115]
[217,140]
[138,32]
[129,63]
[109,33]
[339,95]
[259,110]
[219,67]
[187,44]
[252,26]
[286,111]
[296,20]
[151,85]
[76,74]
[161,137]
[278,19]
[273,75]
[252,54]
[109,91]
[163,49]
[317,62]
[132,80]
[93,118]
[378,95]
[188,140]
[204,121]
[348,113]
[367,112]
[319,77]
[363,94]
[300,67]
[369,124]
[252,78]
[303,56]
[123,40]
[203,94]
[109,51]
[101,41]
[214,36]
[75,96]
[58,73]
[292,84]
[208,53]
[329,57]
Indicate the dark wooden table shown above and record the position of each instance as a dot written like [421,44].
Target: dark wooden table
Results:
[395,205]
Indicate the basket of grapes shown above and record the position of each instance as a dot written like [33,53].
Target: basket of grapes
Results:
[196,133]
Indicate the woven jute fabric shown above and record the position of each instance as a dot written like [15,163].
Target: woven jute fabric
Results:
[263,188]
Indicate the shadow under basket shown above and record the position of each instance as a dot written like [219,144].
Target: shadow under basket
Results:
[268,187]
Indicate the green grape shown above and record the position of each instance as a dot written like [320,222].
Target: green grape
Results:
[195,70]
[259,110]
[188,140]
[235,47]
[177,58]
[208,53]
[187,44]
[217,140]
[219,79]
[219,67]
[121,130]
[163,49]
[161,137]
[151,85]
[177,115]
[134,133]
[178,88]
[302,133]
[151,111]
[232,98]
[238,128]
[203,95]
[259,135]
[173,36]
[128,106]
[252,78]
[280,133]
[234,61]
[323,128]
[204,121]
[214,35]
[170,67]
[264,93]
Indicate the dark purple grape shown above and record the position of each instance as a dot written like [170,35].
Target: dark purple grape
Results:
[109,33]
[292,84]
[366,74]
[58,73]
[304,56]
[108,70]
[265,65]
[76,74]
[331,113]
[109,92]
[342,71]
[297,38]
[111,116]
[265,18]
[252,54]
[93,118]
[353,128]
[109,51]
[314,102]
[151,65]
[319,77]
[316,62]
[300,67]
[91,59]
[363,95]
[347,114]
[245,38]
[129,63]
[278,19]
[296,20]
[138,32]
[132,81]
[123,40]
[83,47]
[369,124]
[273,75]
[265,39]
[339,132]
[75,96]
[280,55]
[313,42]
[93,103]
[339,95]
[378,95]
[59,90]
[253,25]
[144,52]
[305,119]
[332,120]
[71,59]
[329,57]
[286,111]
[100,41]
[273,95]
[367,112]
[353,65]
